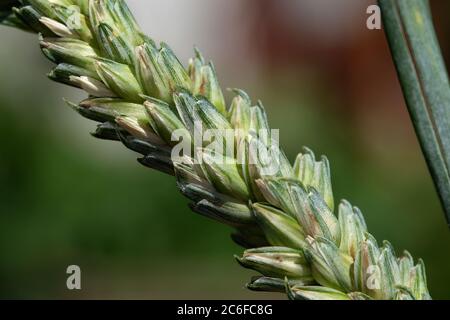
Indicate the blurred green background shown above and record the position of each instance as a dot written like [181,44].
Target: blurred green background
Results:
[326,81]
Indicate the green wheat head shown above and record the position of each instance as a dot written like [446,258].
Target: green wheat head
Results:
[141,94]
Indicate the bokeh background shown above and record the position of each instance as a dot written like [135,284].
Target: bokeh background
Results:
[326,81]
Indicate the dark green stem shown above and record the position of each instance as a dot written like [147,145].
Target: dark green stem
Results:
[421,69]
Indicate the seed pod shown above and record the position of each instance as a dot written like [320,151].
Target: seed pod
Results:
[114,45]
[405,264]
[307,206]
[389,271]
[139,129]
[315,173]
[279,228]
[174,74]
[266,160]
[330,266]
[205,112]
[403,293]
[125,21]
[205,82]
[266,284]
[232,213]
[352,226]
[418,282]
[315,293]
[222,172]
[106,131]
[359,296]
[119,78]
[144,71]
[45,7]
[277,262]
[186,174]
[100,13]
[92,86]
[57,27]
[366,272]
[248,171]
[239,114]
[185,104]
[163,67]
[63,72]
[75,20]
[163,120]
[110,108]
[71,51]
[258,122]
[31,18]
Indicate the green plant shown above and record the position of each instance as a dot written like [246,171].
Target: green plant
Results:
[423,76]
[141,94]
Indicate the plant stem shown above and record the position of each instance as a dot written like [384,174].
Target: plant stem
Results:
[421,69]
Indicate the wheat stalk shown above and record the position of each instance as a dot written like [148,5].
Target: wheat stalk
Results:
[141,94]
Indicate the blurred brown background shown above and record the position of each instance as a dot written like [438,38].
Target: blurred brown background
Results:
[326,81]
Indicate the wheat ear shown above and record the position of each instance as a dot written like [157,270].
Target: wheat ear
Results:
[141,94]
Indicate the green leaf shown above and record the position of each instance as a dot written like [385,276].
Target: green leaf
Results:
[421,69]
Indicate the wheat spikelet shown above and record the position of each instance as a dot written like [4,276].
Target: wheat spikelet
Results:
[141,94]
